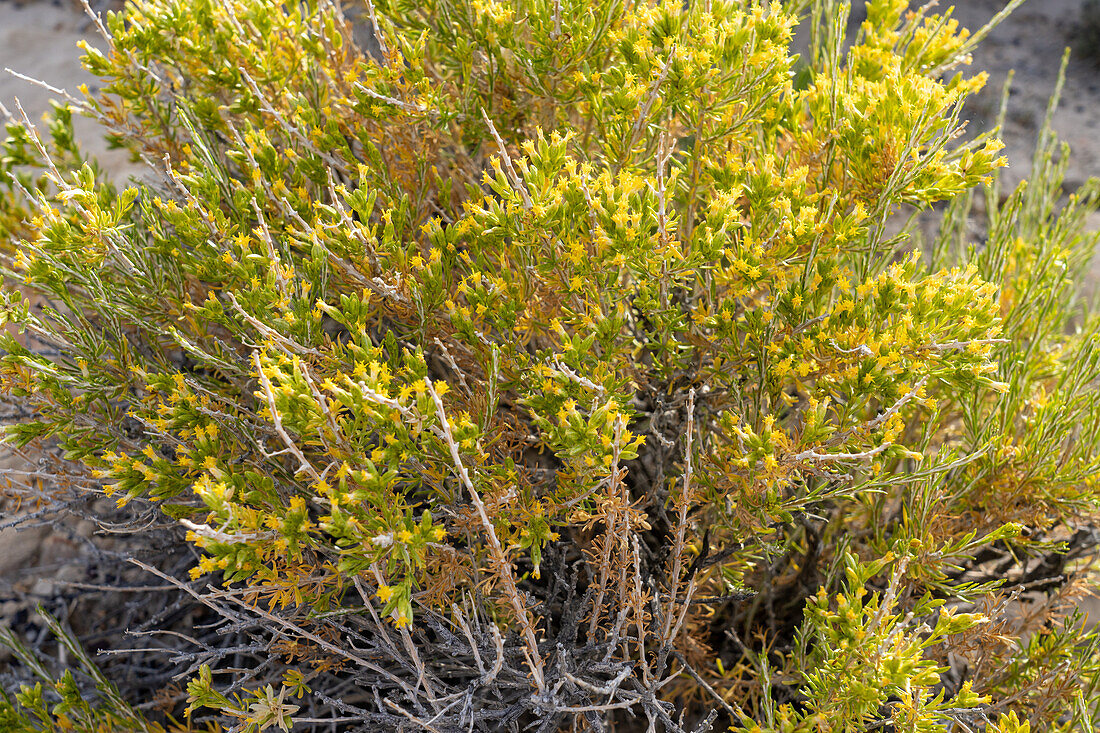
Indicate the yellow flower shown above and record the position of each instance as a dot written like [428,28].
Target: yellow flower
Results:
[385,592]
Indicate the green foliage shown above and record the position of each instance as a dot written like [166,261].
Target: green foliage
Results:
[867,659]
[63,705]
[561,363]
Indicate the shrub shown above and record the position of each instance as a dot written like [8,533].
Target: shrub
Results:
[560,365]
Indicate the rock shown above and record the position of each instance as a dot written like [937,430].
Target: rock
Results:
[19,549]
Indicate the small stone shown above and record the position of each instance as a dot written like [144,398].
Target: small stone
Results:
[19,548]
[44,588]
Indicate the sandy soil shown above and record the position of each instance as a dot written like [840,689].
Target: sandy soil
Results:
[1031,42]
[38,39]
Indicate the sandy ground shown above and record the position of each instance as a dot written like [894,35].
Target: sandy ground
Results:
[1031,42]
[39,39]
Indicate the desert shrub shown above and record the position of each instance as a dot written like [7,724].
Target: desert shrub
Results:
[561,365]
